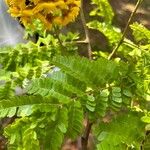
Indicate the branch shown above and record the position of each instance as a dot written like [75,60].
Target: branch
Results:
[126,29]
[85,137]
[87,39]
[77,42]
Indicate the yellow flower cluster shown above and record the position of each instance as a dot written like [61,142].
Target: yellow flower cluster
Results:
[49,12]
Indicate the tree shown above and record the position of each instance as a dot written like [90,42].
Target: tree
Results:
[109,91]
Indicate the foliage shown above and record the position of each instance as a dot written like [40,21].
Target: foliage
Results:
[129,123]
[31,60]
[38,131]
[51,90]
[104,10]
[140,33]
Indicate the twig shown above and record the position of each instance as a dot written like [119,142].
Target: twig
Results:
[87,39]
[85,137]
[126,29]
[77,42]
[81,42]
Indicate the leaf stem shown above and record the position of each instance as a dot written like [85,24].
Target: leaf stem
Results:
[125,30]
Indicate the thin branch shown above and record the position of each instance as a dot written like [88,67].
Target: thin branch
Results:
[77,42]
[126,29]
[87,38]
[85,137]
[81,42]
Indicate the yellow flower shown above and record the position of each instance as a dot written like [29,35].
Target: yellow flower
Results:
[58,21]
[25,20]
[71,15]
[47,8]
[44,20]
[14,12]
[16,3]
[50,12]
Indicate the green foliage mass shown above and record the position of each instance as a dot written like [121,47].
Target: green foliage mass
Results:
[129,123]
[59,90]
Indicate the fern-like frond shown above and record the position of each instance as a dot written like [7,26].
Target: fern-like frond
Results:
[93,73]
[50,88]
[124,131]
[58,82]
[58,129]
[46,129]
[115,98]
[6,91]
[101,103]
[75,120]
[70,83]
[17,101]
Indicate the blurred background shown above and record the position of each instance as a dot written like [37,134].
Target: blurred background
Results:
[11,31]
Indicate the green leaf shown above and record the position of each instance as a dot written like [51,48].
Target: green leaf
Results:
[146,119]
[104,93]
[102,136]
[127,93]
[11,112]
[117,99]
[115,94]
[62,128]
[24,111]
[90,108]
[116,89]
[147,128]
